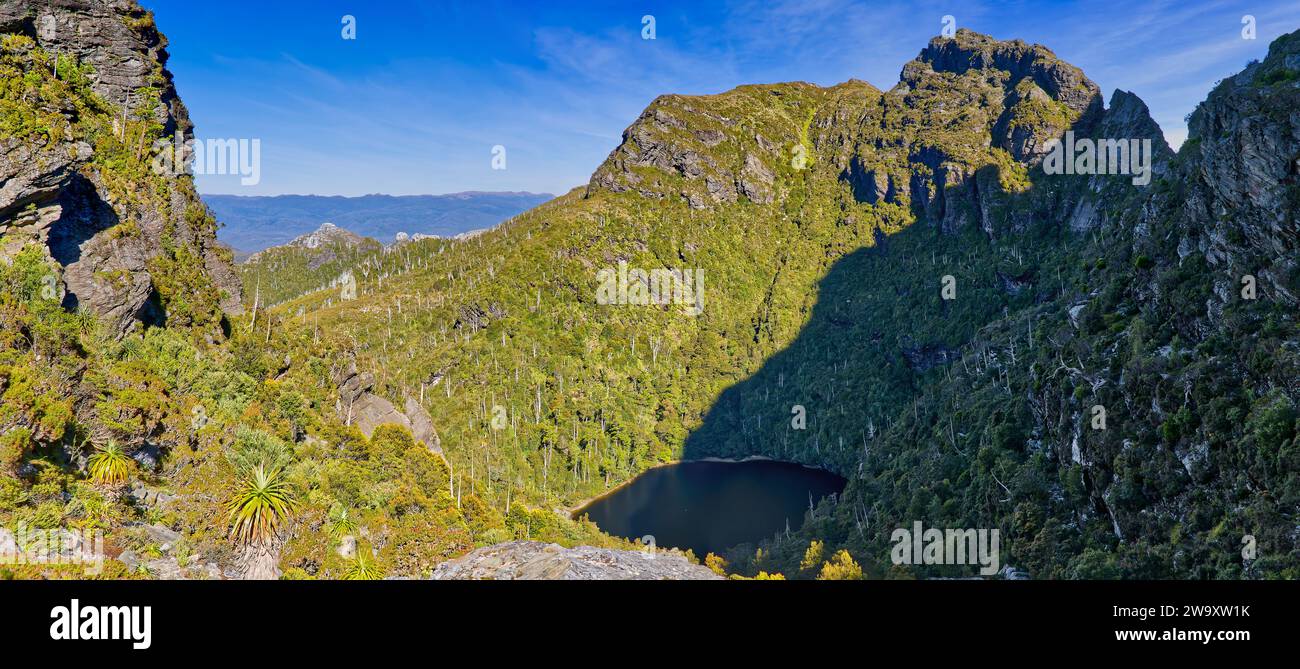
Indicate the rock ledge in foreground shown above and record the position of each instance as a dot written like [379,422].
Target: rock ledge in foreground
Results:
[534,560]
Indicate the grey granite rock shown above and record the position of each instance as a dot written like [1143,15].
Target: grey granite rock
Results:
[534,560]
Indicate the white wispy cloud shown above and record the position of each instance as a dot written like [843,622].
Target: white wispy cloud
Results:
[419,122]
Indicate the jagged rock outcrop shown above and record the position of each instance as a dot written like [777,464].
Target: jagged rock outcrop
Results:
[358,406]
[99,207]
[534,560]
[476,318]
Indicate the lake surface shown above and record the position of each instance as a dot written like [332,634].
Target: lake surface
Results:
[712,506]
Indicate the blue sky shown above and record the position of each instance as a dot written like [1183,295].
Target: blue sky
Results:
[418,100]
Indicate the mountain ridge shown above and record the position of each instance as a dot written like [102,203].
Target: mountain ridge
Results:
[254,222]
[897,267]
[942,175]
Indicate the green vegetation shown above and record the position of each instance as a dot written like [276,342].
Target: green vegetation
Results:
[236,434]
[961,412]
[363,570]
[1278,76]
[249,447]
[110,465]
[281,273]
[261,506]
[823,289]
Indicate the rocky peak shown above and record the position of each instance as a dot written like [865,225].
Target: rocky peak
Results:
[966,104]
[323,238]
[1127,113]
[968,50]
[327,233]
[134,243]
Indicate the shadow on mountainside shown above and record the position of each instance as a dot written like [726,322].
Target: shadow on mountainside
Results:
[881,334]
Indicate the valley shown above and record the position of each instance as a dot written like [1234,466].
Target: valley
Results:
[886,292]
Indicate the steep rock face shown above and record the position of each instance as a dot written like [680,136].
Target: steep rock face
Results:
[117,39]
[1243,202]
[1140,418]
[533,560]
[135,242]
[1096,198]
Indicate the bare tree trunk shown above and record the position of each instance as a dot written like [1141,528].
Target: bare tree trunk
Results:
[260,561]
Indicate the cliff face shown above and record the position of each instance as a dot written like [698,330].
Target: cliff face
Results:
[1242,208]
[88,105]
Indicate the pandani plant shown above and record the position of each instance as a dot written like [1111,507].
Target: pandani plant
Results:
[262,504]
[110,465]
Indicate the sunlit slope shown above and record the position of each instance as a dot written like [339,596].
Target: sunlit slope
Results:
[896,290]
[762,189]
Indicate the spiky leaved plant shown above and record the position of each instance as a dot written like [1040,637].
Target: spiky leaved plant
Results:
[110,465]
[362,569]
[341,523]
[262,504]
[85,321]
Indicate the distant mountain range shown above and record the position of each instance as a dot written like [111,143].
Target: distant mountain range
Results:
[251,224]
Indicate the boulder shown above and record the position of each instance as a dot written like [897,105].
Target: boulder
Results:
[422,425]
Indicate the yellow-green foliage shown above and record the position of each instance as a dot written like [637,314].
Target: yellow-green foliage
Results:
[841,567]
[15,443]
[180,279]
[30,96]
[363,567]
[1040,112]
[110,465]
[813,556]
[261,505]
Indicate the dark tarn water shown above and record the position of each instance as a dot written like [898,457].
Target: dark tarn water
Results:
[712,506]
